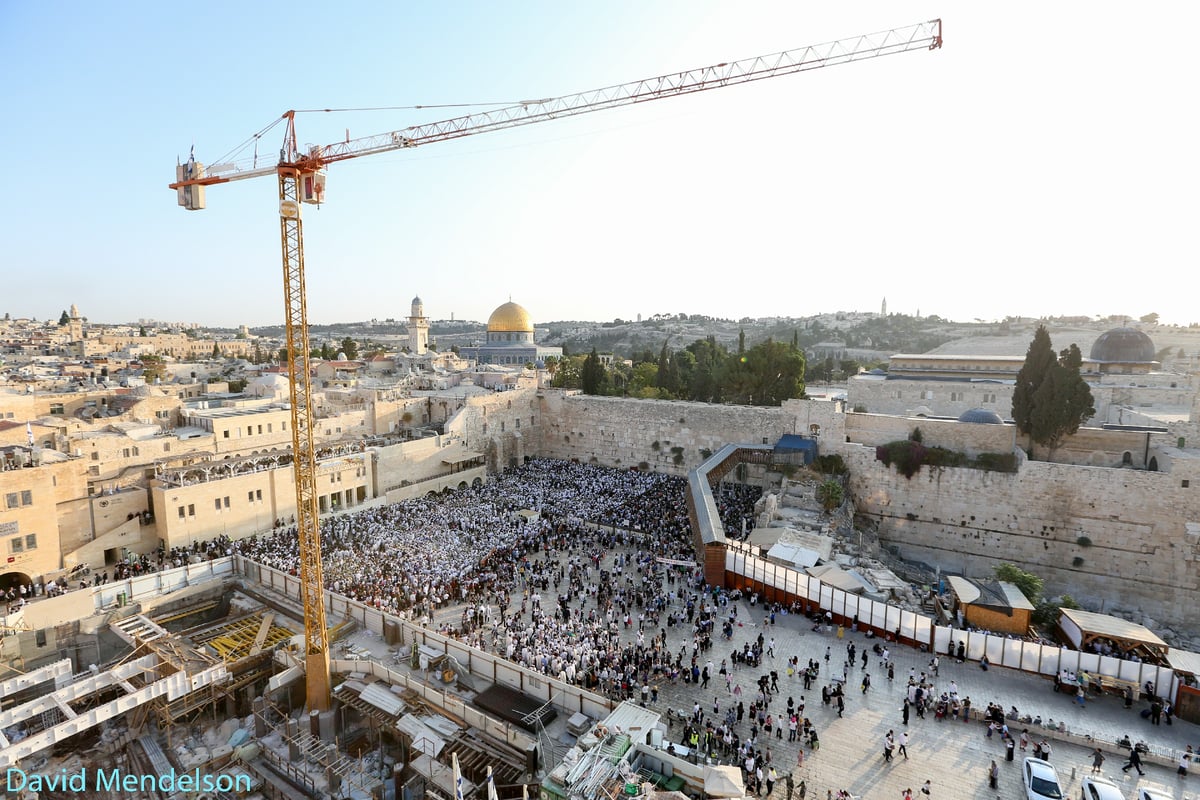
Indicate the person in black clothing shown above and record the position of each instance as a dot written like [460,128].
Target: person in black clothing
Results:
[1135,760]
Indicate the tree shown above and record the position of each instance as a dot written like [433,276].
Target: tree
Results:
[1050,399]
[142,331]
[1149,319]
[567,373]
[153,368]
[65,319]
[1030,585]
[667,377]
[216,351]
[350,348]
[326,352]
[592,376]
[768,373]
[830,494]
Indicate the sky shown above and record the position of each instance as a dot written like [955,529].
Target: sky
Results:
[1042,163]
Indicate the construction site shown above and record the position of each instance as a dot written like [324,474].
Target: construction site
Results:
[205,688]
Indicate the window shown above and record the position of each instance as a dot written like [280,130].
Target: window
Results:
[226,501]
[166,447]
[95,456]
[27,498]
[927,394]
[125,453]
[258,495]
[260,428]
[249,430]
[40,637]
[191,509]
[518,422]
[10,500]
[268,427]
[249,497]
[56,408]
[956,397]
[31,541]
[16,545]
[181,514]
[485,429]
[217,503]
[225,434]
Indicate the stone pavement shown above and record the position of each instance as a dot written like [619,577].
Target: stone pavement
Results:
[953,756]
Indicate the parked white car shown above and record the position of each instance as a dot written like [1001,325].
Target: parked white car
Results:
[1148,793]
[1041,780]
[1098,788]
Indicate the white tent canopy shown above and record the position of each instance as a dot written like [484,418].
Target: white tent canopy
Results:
[723,782]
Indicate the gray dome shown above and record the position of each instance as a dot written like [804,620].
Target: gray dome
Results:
[980,416]
[1123,346]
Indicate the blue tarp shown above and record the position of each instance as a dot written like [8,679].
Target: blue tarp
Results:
[794,443]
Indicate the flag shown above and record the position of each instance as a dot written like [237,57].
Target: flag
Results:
[29,432]
[458,780]
[491,785]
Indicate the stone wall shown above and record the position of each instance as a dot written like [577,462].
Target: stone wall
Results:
[620,432]
[506,426]
[1138,553]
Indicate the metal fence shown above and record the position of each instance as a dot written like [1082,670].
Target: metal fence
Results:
[778,583]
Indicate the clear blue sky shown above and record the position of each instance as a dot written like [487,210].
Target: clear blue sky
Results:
[1043,162]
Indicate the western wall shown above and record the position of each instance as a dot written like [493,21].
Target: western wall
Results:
[1116,538]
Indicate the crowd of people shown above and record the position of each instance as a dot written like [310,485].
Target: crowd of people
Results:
[529,559]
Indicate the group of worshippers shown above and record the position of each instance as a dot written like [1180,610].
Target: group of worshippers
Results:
[540,588]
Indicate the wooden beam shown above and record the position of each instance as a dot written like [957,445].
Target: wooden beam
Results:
[267,619]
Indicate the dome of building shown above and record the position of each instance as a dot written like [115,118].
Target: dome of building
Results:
[510,317]
[1123,346]
[980,416]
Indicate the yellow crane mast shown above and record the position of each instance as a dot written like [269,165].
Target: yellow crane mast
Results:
[301,178]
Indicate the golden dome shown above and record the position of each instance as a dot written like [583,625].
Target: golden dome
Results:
[510,317]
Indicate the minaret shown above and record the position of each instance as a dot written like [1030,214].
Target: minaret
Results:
[75,326]
[418,328]
[883,308]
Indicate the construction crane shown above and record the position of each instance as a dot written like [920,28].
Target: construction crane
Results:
[301,178]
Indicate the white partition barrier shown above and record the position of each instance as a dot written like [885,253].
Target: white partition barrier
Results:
[941,639]
[853,605]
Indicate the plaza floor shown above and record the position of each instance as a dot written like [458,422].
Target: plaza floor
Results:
[954,756]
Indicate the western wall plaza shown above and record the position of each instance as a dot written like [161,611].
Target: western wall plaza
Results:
[534,591]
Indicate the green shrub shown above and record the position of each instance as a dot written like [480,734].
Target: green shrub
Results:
[832,464]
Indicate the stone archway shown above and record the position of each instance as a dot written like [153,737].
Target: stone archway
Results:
[1153,465]
[13,580]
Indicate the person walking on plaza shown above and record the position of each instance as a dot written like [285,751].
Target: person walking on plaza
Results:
[866,682]
[903,748]
[1097,760]
[927,788]
[790,783]
[1135,761]
[994,776]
